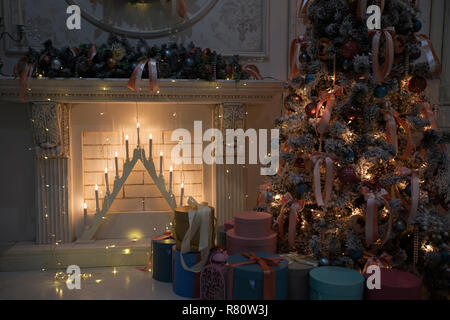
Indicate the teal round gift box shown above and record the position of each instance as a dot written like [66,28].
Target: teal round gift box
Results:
[335,283]
[221,236]
[248,280]
[162,259]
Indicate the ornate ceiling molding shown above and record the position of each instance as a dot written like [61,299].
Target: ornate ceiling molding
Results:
[170,91]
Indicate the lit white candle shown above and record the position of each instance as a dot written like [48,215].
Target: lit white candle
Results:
[138,138]
[150,144]
[116,161]
[19,13]
[106,180]
[97,207]
[182,194]
[170,179]
[160,163]
[85,214]
[126,147]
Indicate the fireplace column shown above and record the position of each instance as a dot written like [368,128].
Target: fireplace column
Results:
[50,126]
[230,178]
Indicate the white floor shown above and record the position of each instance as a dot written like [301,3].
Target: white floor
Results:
[104,283]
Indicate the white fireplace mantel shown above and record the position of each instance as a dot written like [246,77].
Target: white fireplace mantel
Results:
[65,90]
[51,100]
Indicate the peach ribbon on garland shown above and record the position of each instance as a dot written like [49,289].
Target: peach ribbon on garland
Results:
[383,261]
[152,75]
[372,199]
[330,99]
[92,53]
[294,54]
[318,158]
[391,118]
[295,206]
[252,70]
[269,280]
[380,73]
[361,8]
[23,76]
[415,191]
[166,235]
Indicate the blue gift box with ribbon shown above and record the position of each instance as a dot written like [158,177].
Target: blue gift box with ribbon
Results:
[185,283]
[257,276]
[335,283]
[162,259]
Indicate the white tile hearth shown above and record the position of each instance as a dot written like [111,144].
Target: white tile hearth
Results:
[126,283]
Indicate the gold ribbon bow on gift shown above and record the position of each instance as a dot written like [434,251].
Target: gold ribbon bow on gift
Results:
[330,99]
[372,199]
[318,158]
[381,74]
[383,261]
[415,191]
[198,219]
[295,206]
[392,117]
[152,75]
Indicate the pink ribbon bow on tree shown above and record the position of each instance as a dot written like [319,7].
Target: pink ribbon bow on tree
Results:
[152,75]
[295,206]
[392,117]
[318,158]
[372,199]
[415,191]
[381,74]
[330,99]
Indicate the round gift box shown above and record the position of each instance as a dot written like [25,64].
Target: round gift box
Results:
[248,280]
[335,283]
[185,283]
[162,259]
[253,224]
[298,281]
[221,236]
[236,243]
[395,285]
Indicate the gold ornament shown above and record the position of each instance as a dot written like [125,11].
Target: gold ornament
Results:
[118,51]
[323,46]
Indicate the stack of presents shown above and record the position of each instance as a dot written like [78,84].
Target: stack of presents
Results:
[243,265]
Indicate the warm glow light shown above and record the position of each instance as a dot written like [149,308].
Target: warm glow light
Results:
[150,136]
[277,197]
[96,187]
[85,205]
[138,125]
[182,185]
[115,154]
[126,137]
[161,154]
[126,251]
[171,168]
[114,270]
[106,170]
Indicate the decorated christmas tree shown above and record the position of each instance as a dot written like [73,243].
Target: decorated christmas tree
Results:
[363,165]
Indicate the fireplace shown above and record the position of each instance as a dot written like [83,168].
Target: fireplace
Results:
[78,126]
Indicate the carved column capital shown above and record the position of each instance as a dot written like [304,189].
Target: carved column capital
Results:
[231,115]
[50,126]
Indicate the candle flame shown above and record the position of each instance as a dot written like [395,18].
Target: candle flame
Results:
[171,168]
[150,136]
[161,154]
[96,187]
[85,205]
[115,154]
[182,185]
[138,125]
[106,170]
[126,137]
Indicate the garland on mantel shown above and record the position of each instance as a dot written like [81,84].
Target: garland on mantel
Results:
[118,59]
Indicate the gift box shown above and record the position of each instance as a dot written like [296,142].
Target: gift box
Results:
[257,276]
[395,285]
[221,236]
[162,259]
[182,225]
[335,283]
[299,267]
[185,283]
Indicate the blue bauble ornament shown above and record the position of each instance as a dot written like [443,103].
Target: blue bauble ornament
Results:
[309,78]
[56,64]
[408,189]
[356,254]
[304,57]
[189,62]
[300,189]
[269,196]
[347,64]
[417,25]
[380,91]
[400,225]
[445,256]
[350,156]
[167,52]
[324,261]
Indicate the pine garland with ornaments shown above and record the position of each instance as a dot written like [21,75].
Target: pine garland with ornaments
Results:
[363,163]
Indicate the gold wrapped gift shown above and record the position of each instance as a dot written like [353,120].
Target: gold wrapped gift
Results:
[182,225]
